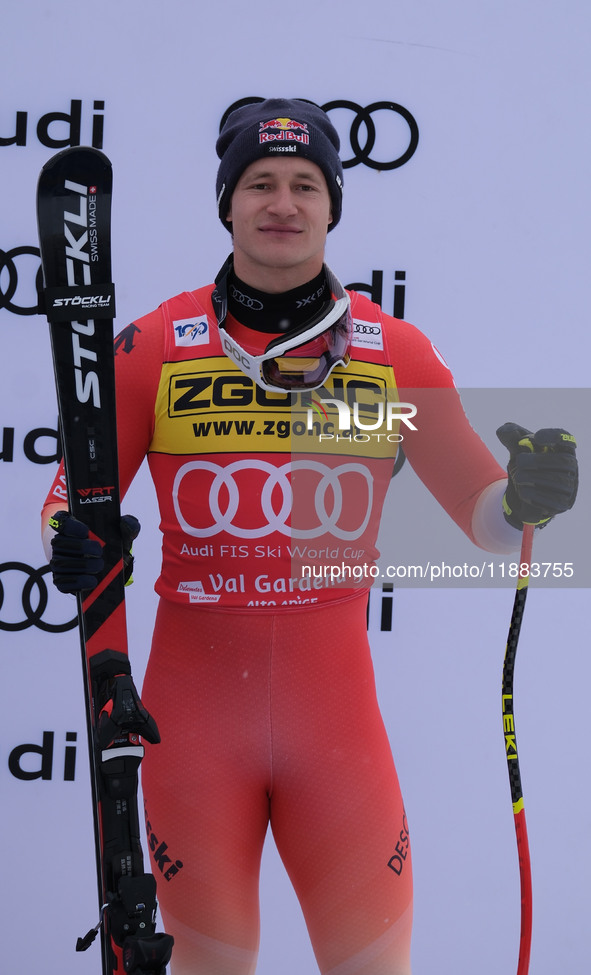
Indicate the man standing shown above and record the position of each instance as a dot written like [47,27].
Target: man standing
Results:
[260,679]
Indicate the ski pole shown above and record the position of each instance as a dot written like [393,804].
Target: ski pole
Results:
[511,751]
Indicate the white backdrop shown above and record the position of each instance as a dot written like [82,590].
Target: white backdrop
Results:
[488,222]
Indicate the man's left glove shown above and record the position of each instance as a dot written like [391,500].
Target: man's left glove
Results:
[543,474]
[130,529]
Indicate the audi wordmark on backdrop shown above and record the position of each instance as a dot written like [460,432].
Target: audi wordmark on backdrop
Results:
[59,130]
[31,761]
[40,446]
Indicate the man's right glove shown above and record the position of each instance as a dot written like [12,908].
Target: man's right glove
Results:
[77,560]
[543,474]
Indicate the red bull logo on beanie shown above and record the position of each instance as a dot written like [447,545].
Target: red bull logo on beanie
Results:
[283,130]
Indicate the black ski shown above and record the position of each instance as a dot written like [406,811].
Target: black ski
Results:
[73,212]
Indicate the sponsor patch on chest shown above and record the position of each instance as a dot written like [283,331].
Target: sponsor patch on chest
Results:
[191,331]
[367,335]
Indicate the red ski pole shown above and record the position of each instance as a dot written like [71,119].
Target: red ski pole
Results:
[511,751]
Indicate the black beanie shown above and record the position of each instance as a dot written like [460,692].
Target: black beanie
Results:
[278,127]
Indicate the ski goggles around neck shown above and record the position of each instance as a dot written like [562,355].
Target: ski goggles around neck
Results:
[305,358]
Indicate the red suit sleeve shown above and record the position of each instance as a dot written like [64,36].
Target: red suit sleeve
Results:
[446,452]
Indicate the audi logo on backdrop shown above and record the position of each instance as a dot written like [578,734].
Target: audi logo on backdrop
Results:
[24,599]
[398,129]
[365,120]
[12,297]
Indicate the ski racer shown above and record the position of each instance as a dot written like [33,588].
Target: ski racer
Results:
[260,674]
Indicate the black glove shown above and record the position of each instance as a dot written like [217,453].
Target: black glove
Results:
[130,529]
[543,474]
[77,560]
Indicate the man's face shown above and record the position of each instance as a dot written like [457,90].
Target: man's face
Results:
[280,212]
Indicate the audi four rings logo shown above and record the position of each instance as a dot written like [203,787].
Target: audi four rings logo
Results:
[224,486]
[364,117]
[363,130]
[34,599]
[367,329]
[253,303]
[9,280]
